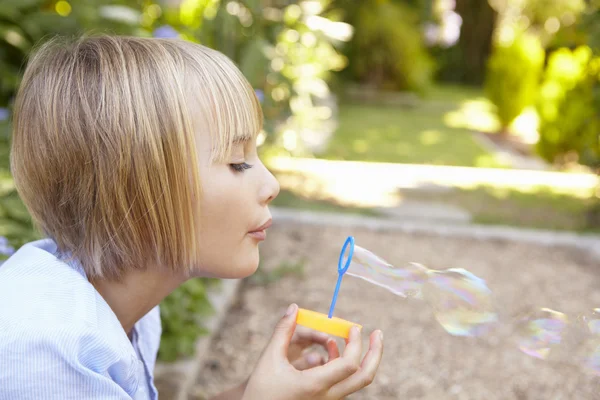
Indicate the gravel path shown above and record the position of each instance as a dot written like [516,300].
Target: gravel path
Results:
[421,361]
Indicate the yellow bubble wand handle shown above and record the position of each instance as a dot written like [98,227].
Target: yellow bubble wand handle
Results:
[322,323]
[327,323]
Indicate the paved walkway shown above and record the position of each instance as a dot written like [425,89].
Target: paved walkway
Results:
[387,176]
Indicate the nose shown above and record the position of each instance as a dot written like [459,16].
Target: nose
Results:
[270,188]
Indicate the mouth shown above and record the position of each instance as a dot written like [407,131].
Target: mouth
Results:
[260,233]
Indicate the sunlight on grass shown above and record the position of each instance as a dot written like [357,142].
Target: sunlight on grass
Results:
[537,207]
[540,207]
[294,199]
[430,137]
[360,146]
[399,135]
[476,115]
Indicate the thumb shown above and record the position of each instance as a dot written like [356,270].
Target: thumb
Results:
[284,330]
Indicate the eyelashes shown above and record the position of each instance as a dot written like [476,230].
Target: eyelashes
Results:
[241,167]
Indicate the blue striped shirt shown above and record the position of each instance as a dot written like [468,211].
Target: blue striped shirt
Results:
[59,339]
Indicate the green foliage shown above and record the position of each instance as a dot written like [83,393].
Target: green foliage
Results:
[513,74]
[284,50]
[540,11]
[15,221]
[568,108]
[182,314]
[590,24]
[24,23]
[387,49]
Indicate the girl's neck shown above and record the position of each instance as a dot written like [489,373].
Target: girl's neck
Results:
[137,294]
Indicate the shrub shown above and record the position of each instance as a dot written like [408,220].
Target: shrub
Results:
[183,313]
[513,74]
[569,108]
[387,49]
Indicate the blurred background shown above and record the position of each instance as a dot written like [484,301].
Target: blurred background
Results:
[448,112]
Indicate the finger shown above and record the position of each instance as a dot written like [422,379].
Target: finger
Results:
[282,335]
[365,376]
[342,367]
[332,350]
[353,350]
[304,338]
[309,360]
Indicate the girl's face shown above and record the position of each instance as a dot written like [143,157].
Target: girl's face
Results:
[233,210]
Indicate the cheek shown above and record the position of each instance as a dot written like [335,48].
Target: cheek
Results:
[224,218]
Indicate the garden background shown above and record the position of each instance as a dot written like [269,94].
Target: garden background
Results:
[433,116]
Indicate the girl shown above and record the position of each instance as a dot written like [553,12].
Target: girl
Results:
[136,158]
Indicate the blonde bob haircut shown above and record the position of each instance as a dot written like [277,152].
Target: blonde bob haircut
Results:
[104,149]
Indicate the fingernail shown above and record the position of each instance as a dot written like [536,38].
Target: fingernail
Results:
[313,358]
[290,310]
[381,336]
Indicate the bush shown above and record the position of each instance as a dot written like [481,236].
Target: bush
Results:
[182,314]
[15,222]
[23,23]
[569,108]
[387,49]
[513,75]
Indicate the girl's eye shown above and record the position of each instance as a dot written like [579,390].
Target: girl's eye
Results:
[240,167]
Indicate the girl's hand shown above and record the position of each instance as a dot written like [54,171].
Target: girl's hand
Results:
[304,339]
[275,378]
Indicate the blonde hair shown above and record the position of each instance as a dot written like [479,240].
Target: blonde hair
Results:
[104,153]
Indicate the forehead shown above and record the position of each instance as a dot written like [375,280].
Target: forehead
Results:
[224,109]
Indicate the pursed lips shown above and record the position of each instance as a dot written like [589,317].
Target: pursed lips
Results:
[260,233]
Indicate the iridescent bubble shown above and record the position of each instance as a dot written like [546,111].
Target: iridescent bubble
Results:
[592,321]
[462,302]
[590,350]
[405,282]
[540,332]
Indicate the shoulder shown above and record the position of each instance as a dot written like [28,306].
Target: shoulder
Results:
[57,331]
[37,287]
[65,361]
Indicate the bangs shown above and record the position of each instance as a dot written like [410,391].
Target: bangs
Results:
[230,110]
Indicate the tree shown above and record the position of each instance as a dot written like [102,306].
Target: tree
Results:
[476,38]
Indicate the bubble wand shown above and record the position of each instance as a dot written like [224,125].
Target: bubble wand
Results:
[328,323]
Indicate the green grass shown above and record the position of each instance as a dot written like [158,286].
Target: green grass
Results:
[542,208]
[409,135]
[288,199]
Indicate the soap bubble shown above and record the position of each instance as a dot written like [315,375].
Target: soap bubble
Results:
[589,352]
[461,301]
[462,304]
[541,331]
[405,282]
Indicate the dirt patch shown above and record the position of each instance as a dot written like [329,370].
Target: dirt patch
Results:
[421,361]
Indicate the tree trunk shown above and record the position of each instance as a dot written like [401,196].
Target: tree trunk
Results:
[475,43]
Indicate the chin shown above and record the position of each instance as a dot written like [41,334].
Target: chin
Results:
[243,264]
[244,273]
[248,268]
[243,268]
